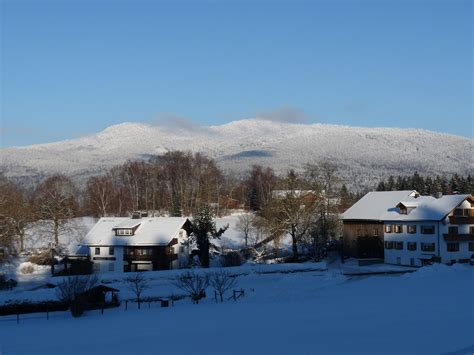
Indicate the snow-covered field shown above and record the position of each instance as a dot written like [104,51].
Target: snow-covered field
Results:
[284,311]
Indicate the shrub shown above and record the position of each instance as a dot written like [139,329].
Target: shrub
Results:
[232,258]
[42,259]
[249,253]
[20,307]
[78,307]
[67,290]
[27,268]
[193,284]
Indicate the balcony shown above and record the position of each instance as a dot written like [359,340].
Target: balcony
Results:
[461,219]
[459,237]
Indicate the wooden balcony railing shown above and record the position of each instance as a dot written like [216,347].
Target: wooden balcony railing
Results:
[459,237]
[461,219]
[155,257]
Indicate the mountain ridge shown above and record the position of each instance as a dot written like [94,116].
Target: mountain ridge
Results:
[363,155]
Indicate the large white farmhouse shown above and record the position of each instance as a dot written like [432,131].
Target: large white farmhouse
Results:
[412,229]
[137,243]
[419,230]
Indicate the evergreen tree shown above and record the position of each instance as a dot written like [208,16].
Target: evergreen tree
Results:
[204,230]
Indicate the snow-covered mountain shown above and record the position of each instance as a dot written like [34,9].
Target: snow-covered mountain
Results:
[363,154]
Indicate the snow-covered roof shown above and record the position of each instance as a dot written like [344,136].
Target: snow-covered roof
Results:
[152,231]
[129,223]
[428,209]
[375,204]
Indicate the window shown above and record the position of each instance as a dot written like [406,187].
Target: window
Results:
[111,266]
[462,212]
[452,247]
[403,210]
[97,251]
[111,251]
[388,228]
[428,246]
[471,230]
[123,232]
[376,232]
[399,245]
[388,245]
[411,229]
[453,230]
[397,228]
[427,229]
[471,246]
[411,245]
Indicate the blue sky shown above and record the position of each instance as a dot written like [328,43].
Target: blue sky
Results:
[71,68]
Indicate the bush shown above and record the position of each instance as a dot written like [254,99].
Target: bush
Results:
[7,284]
[27,268]
[249,253]
[20,307]
[42,259]
[78,307]
[232,258]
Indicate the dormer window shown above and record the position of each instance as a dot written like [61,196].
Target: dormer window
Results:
[123,231]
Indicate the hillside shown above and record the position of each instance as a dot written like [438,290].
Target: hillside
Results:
[363,154]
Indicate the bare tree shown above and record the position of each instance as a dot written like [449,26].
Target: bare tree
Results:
[294,212]
[56,204]
[244,226]
[193,284]
[15,214]
[72,286]
[137,284]
[221,281]
[99,195]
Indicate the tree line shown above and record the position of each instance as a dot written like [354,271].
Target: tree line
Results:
[429,185]
[302,204]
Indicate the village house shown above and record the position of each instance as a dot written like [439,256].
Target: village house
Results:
[139,243]
[413,230]
[420,230]
[363,225]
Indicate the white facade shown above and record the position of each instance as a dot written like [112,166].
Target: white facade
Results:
[113,250]
[411,242]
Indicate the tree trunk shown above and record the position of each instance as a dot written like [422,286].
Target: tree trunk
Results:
[294,248]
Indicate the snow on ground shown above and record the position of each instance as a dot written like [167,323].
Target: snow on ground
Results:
[429,311]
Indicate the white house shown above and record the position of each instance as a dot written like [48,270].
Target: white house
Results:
[137,243]
[420,229]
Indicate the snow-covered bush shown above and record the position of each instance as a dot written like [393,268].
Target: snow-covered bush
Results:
[27,268]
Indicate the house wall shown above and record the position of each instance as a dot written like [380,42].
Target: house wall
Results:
[415,257]
[182,250]
[466,245]
[104,262]
[405,256]
[353,229]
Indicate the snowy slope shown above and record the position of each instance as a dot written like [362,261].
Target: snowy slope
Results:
[281,313]
[362,153]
